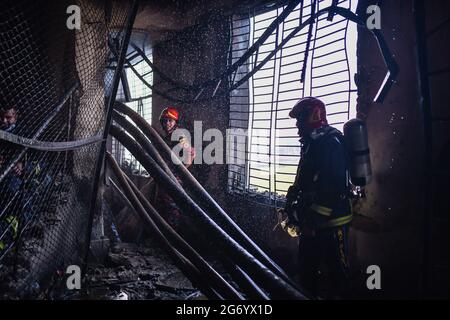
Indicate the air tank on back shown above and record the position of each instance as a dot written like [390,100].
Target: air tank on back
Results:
[356,139]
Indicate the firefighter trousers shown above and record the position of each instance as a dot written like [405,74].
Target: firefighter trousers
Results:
[323,263]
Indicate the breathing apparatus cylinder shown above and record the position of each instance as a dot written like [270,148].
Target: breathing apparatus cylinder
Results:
[356,140]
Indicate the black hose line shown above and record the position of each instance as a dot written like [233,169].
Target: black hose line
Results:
[143,141]
[252,290]
[185,249]
[202,196]
[279,288]
[245,283]
[188,269]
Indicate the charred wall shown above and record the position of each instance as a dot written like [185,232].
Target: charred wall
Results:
[393,199]
[404,246]
[437,45]
[192,56]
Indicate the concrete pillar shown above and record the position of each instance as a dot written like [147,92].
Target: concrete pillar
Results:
[91,54]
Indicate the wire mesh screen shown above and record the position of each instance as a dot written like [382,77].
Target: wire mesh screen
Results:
[320,61]
[53,87]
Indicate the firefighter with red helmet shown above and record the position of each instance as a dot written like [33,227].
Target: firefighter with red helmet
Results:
[170,120]
[318,205]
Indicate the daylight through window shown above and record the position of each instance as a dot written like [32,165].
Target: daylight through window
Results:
[261,105]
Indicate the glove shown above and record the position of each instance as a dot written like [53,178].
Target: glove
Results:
[289,224]
[292,229]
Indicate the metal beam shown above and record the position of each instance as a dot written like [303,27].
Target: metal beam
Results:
[425,106]
[333,10]
[109,108]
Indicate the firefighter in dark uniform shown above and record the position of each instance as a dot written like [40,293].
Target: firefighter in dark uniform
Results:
[170,121]
[318,206]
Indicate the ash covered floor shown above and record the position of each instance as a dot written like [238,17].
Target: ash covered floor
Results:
[132,272]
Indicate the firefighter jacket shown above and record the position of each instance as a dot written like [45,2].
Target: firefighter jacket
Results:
[321,186]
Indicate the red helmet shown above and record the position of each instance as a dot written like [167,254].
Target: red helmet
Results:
[170,113]
[310,112]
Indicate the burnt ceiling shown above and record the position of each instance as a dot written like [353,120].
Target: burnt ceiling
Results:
[159,18]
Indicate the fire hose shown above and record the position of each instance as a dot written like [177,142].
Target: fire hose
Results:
[198,269]
[201,194]
[252,266]
[245,283]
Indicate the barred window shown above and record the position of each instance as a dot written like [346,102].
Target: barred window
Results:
[135,94]
[260,106]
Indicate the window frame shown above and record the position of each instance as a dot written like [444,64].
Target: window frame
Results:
[240,114]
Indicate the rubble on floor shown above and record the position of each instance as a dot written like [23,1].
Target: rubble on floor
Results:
[132,272]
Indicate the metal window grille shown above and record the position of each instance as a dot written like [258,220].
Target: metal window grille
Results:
[135,94]
[260,106]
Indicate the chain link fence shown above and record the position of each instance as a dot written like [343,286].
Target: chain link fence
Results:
[53,85]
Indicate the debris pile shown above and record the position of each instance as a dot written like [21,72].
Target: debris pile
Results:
[133,272]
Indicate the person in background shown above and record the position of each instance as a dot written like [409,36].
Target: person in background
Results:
[22,187]
[10,190]
[170,119]
[8,119]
